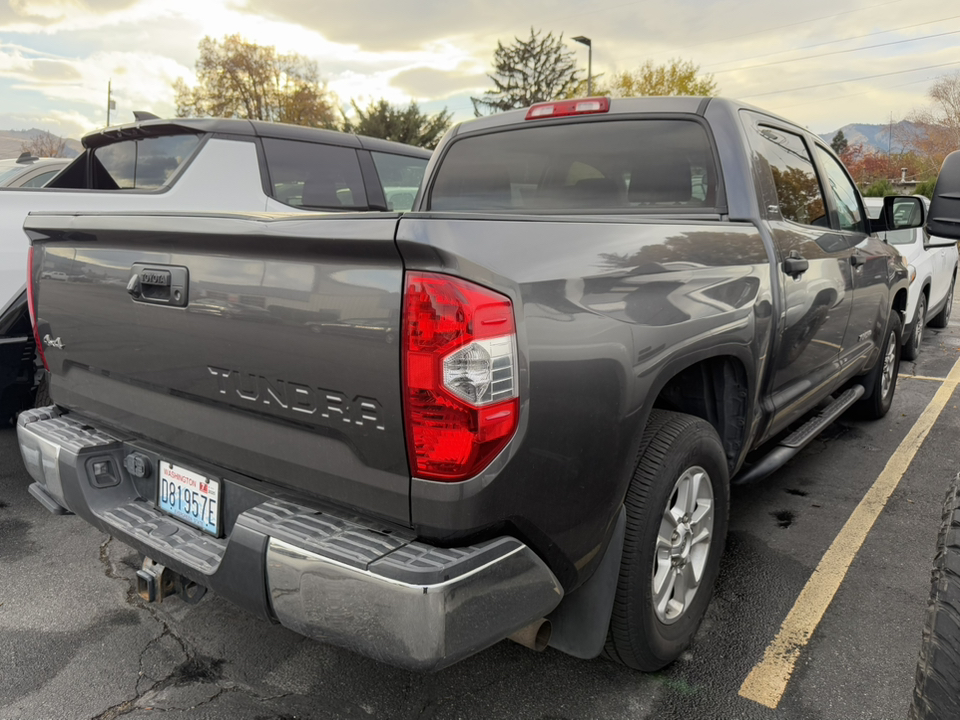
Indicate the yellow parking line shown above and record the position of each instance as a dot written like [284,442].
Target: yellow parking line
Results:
[922,377]
[768,679]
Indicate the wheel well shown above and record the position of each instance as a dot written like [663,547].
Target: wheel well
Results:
[900,304]
[715,390]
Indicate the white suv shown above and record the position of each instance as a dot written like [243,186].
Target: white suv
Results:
[933,270]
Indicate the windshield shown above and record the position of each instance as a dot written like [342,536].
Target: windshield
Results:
[621,165]
[894,237]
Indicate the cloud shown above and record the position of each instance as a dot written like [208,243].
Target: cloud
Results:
[75,88]
[428,83]
[24,13]
[379,26]
[439,51]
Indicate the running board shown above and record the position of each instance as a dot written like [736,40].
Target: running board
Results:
[798,439]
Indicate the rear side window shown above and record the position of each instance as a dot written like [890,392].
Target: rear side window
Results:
[308,175]
[40,180]
[400,177]
[144,164]
[798,189]
[618,165]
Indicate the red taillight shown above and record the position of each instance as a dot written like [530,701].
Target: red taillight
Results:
[562,108]
[460,375]
[31,306]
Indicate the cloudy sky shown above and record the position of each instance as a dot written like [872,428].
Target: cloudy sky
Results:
[821,63]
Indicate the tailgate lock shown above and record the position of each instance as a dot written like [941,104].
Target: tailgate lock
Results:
[158,284]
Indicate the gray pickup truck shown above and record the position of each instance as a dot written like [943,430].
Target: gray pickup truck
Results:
[514,412]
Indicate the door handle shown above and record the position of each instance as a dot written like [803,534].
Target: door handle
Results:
[158,284]
[857,259]
[795,265]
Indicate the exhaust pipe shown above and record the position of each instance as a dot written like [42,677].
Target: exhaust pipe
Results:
[535,636]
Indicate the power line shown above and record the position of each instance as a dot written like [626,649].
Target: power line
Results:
[778,108]
[840,82]
[728,38]
[836,52]
[833,42]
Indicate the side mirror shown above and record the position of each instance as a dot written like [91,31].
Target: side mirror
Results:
[944,218]
[900,212]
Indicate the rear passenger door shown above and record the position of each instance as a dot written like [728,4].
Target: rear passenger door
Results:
[868,259]
[813,266]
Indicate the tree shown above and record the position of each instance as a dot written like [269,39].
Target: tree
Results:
[926,188]
[44,144]
[406,125]
[839,143]
[236,78]
[935,132]
[880,188]
[528,72]
[675,77]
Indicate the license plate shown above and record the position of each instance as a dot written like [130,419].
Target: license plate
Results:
[190,497]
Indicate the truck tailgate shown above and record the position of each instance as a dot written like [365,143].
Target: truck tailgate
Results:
[262,345]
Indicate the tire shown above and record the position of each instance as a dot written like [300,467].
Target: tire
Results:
[678,452]
[881,382]
[936,694]
[911,349]
[42,398]
[942,319]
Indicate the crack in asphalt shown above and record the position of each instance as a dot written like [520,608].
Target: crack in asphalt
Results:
[195,669]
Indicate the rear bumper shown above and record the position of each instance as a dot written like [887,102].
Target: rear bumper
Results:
[359,584]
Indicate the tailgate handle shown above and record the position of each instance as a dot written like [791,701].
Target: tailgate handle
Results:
[158,284]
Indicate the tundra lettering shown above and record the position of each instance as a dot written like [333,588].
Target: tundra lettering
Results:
[333,405]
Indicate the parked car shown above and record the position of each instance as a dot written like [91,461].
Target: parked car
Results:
[191,165]
[29,171]
[932,263]
[606,311]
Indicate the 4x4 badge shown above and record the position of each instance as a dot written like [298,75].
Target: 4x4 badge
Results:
[54,343]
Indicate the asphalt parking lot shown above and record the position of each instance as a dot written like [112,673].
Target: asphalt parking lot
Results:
[76,642]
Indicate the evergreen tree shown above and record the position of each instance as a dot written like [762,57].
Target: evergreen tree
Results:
[406,125]
[527,72]
[839,143]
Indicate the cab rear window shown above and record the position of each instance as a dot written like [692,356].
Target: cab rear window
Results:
[143,164]
[621,165]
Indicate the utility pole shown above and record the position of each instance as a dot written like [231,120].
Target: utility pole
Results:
[111,103]
[889,133]
[586,41]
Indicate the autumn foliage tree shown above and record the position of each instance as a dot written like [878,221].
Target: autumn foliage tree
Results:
[675,77]
[44,144]
[529,71]
[400,124]
[237,78]
[935,129]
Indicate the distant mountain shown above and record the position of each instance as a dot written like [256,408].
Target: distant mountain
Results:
[877,138]
[11,141]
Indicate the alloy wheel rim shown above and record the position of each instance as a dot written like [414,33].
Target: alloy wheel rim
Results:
[683,545]
[889,363]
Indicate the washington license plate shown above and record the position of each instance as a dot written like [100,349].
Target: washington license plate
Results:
[190,497]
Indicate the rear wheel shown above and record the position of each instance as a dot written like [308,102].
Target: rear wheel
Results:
[676,525]
[936,695]
[942,319]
